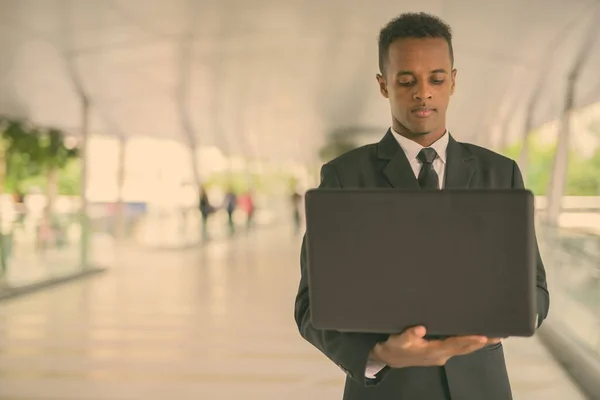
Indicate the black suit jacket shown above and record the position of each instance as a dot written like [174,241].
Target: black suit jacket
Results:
[479,375]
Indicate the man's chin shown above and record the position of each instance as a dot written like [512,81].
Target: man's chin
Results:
[416,129]
[424,130]
[419,131]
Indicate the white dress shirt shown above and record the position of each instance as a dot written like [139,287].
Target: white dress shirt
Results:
[412,149]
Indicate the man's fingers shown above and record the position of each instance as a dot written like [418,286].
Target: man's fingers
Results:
[412,335]
[463,344]
[469,349]
[466,341]
[417,332]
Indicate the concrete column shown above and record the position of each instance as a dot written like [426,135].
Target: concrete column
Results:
[527,128]
[83,154]
[3,261]
[559,168]
[120,209]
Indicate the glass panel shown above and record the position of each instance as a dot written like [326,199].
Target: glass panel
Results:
[572,260]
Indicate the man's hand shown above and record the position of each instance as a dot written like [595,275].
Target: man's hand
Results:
[410,349]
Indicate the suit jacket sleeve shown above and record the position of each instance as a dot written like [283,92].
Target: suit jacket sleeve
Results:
[542,295]
[348,350]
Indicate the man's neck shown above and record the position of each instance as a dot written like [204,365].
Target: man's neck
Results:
[424,139]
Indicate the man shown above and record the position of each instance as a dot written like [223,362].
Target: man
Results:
[417,77]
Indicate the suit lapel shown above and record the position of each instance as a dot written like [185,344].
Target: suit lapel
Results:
[459,166]
[397,170]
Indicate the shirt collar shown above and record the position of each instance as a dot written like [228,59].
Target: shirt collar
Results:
[412,149]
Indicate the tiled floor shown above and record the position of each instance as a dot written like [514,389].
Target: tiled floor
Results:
[203,324]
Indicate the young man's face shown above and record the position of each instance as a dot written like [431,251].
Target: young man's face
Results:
[418,81]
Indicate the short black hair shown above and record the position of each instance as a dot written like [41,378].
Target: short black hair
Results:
[412,25]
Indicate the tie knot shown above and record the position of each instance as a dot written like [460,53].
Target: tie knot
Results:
[427,155]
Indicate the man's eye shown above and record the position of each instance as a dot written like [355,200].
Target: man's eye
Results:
[407,83]
[437,81]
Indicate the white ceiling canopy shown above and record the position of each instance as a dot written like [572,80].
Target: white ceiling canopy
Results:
[271,78]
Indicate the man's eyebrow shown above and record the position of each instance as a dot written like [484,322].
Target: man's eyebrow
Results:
[435,71]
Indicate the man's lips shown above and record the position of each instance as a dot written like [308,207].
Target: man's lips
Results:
[423,112]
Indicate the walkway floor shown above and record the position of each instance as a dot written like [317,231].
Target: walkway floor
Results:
[205,324]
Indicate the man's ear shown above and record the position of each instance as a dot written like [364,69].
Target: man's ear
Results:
[453,81]
[382,85]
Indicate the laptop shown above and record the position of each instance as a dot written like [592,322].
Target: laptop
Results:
[459,262]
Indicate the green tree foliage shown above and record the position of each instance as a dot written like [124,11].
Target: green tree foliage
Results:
[20,152]
[69,180]
[583,174]
[30,152]
[51,150]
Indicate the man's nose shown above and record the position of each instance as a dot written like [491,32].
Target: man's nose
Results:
[422,93]
[422,97]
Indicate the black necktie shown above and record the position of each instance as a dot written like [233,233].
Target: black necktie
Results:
[428,178]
